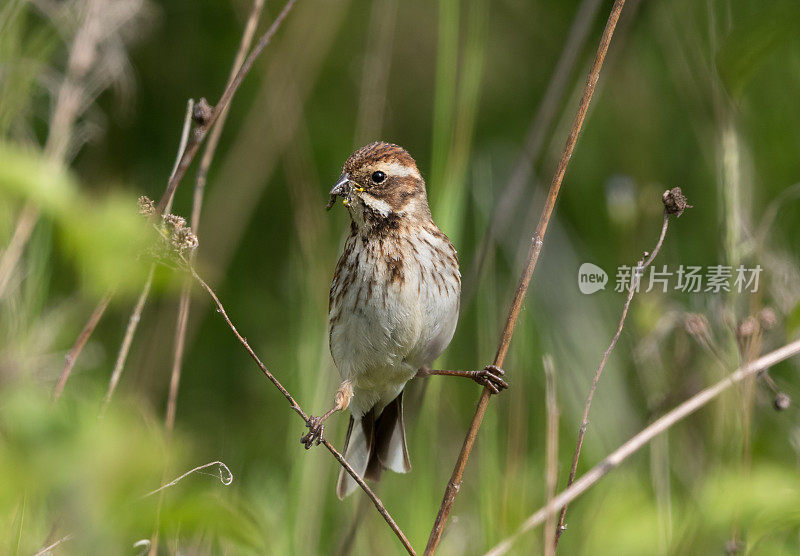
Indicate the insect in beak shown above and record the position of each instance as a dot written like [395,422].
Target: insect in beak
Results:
[342,188]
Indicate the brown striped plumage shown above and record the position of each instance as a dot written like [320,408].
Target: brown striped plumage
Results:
[393,302]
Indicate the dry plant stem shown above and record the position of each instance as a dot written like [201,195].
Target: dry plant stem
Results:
[636,278]
[197,206]
[646,435]
[127,340]
[12,253]
[542,120]
[216,132]
[47,549]
[80,342]
[551,452]
[177,359]
[136,314]
[221,106]
[67,109]
[297,409]
[533,256]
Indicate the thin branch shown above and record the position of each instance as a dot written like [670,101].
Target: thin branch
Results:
[533,256]
[221,106]
[136,314]
[297,409]
[537,132]
[646,435]
[71,100]
[83,337]
[177,358]
[638,272]
[28,218]
[216,133]
[127,339]
[551,452]
[47,549]
[197,206]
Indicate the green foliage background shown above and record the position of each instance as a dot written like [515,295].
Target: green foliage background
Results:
[696,94]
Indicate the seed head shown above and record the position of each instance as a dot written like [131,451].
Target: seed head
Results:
[146,206]
[782,401]
[675,201]
[183,239]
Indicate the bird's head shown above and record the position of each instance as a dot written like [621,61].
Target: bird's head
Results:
[381,181]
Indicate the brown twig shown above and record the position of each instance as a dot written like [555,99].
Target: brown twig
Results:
[127,339]
[533,256]
[49,548]
[297,409]
[28,218]
[83,337]
[216,133]
[136,313]
[551,451]
[637,274]
[75,93]
[646,435]
[221,106]
[537,132]
[184,303]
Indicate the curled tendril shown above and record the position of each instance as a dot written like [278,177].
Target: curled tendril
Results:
[144,544]
[223,474]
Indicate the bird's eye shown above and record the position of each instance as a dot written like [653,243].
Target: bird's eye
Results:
[378,176]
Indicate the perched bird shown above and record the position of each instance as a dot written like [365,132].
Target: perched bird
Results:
[393,307]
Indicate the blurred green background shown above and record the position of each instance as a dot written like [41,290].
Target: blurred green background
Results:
[701,95]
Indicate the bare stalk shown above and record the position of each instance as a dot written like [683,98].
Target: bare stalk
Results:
[127,340]
[533,256]
[70,97]
[47,549]
[83,337]
[197,206]
[216,133]
[641,439]
[551,451]
[634,287]
[297,409]
[136,314]
[537,132]
[12,253]
[221,106]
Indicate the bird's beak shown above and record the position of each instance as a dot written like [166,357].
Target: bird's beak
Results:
[342,187]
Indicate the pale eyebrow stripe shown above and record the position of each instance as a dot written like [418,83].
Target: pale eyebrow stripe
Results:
[399,170]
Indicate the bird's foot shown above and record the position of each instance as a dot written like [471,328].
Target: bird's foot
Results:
[315,430]
[492,378]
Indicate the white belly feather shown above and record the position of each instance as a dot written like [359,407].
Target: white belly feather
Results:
[389,317]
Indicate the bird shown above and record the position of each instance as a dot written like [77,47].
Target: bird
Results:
[393,307]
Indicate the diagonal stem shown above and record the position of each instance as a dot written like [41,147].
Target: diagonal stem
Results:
[642,438]
[77,348]
[297,409]
[634,287]
[221,106]
[533,256]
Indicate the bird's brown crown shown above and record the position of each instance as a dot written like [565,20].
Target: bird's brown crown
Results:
[388,173]
[375,153]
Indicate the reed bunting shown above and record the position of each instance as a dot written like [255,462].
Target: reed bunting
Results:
[392,310]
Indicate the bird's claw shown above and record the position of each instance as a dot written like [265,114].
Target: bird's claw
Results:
[492,378]
[314,435]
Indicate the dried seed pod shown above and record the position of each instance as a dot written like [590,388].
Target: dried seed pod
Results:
[782,401]
[675,201]
[146,206]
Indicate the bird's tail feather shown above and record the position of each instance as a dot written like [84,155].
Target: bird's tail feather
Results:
[374,444]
